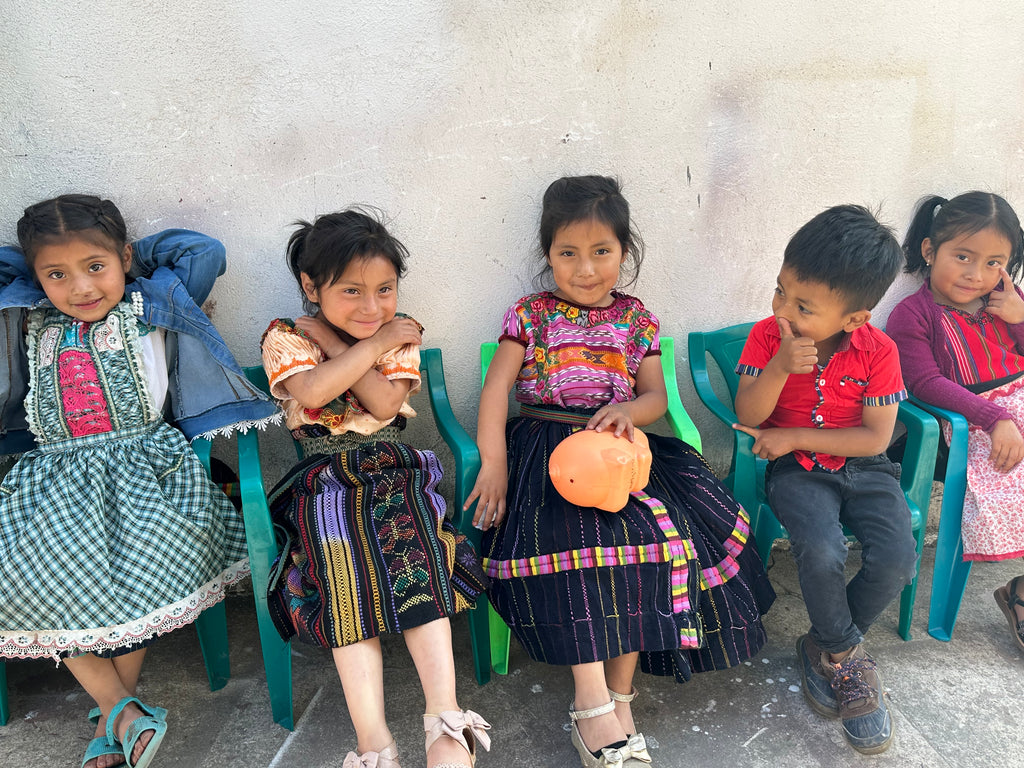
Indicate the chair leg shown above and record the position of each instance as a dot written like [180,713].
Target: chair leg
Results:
[500,639]
[5,712]
[212,626]
[949,577]
[479,639]
[910,591]
[277,664]
[766,529]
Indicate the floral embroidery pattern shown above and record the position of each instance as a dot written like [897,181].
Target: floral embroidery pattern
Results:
[580,356]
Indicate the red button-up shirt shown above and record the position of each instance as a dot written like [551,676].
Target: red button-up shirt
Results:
[864,371]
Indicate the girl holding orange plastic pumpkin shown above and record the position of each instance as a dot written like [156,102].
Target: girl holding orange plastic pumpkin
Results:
[667,580]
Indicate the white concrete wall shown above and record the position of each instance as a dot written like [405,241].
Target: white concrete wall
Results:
[730,124]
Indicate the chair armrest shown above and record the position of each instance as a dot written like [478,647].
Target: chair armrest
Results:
[259,529]
[958,439]
[918,465]
[462,446]
[202,447]
[676,414]
[702,382]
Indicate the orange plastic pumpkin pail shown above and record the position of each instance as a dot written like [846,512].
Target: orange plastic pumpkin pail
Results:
[598,469]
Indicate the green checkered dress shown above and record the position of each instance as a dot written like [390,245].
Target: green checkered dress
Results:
[110,531]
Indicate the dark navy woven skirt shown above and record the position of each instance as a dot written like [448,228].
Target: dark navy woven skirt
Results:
[671,575]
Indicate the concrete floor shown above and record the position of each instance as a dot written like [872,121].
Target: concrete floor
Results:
[954,704]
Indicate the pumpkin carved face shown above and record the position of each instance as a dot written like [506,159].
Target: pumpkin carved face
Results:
[597,469]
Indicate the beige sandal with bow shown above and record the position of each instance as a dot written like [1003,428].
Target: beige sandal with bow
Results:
[386,758]
[636,743]
[610,757]
[464,726]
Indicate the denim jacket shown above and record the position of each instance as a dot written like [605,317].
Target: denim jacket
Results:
[172,272]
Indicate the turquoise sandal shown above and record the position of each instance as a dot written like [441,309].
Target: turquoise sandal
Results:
[99,747]
[150,720]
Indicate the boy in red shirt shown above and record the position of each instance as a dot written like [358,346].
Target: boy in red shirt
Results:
[824,387]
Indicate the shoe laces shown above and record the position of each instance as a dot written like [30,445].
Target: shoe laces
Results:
[848,681]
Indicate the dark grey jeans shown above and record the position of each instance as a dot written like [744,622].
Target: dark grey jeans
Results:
[865,496]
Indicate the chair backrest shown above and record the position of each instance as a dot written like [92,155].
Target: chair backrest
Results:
[725,347]
[676,415]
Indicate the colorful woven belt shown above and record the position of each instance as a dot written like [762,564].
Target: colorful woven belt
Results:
[554,414]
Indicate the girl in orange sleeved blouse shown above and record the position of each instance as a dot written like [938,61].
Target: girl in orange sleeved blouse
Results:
[369,548]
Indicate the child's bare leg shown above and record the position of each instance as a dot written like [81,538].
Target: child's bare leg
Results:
[619,674]
[430,646]
[101,680]
[361,669]
[592,691]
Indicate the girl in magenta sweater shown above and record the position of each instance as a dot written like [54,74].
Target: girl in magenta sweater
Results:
[961,342]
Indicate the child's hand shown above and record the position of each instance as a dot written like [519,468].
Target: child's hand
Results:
[1007,445]
[398,332]
[489,492]
[797,354]
[322,333]
[1006,304]
[612,417]
[768,443]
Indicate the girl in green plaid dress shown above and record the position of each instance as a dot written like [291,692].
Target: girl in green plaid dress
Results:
[110,530]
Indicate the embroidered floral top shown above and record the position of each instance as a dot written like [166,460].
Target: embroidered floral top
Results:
[579,357]
[287,351]
[91,378]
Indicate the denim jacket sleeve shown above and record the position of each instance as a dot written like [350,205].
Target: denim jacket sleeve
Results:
[195,259]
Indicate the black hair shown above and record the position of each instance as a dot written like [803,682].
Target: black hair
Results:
[572,199]
[941,220]
[850,251]
[325,248]
[60,219]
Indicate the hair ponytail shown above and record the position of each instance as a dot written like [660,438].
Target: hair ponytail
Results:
[920,228]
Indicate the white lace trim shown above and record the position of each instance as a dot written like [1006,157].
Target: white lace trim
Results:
[241,426]
[48,643]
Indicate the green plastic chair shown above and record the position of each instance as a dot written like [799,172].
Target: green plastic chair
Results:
[950,572]
[212,624]
[746,473]
[263,546]
[676,416]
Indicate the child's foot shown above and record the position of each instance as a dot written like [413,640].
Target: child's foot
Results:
[447,751]
[106,760]
[624,710]
[817,677]
[452,737]
[636,742]
[858,689]
[128,714]
[385,758]
[601,731]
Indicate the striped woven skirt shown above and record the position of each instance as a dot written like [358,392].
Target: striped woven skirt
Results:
[670,575]
[366,547]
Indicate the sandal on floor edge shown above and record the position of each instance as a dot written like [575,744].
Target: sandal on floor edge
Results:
[1007,598]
